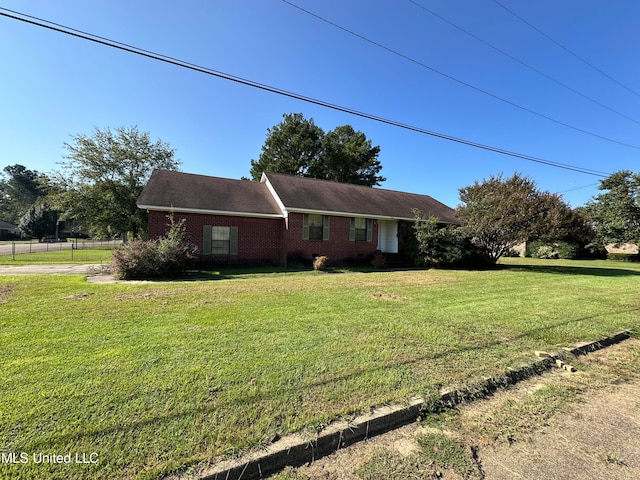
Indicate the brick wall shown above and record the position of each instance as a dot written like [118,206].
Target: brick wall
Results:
[338,248]
[264,240]
[259,239]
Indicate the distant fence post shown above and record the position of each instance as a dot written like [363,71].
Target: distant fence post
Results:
[13,250]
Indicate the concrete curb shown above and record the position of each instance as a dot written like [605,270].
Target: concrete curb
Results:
[296,451]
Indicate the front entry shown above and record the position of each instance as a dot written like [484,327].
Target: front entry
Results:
[388,236]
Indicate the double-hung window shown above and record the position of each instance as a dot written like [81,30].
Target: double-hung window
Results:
[220,240]
[315,227]
[361,229]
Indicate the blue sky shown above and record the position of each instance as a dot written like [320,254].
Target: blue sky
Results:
[54,86]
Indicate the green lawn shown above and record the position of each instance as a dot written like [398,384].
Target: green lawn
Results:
[155,377]
[81,255]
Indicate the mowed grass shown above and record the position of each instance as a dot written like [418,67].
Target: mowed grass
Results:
[81,255]
[154,377]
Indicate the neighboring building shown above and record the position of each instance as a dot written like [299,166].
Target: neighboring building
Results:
[629,248]
[7,230]
[283,217]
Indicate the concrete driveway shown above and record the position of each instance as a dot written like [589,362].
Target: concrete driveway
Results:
[88,269]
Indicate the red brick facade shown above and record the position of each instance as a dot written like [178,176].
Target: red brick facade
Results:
[259,239]
[271,240]
[338,248]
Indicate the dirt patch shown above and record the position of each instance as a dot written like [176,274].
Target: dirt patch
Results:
[78,296]
[388,296]
[559,425]
[146,295]
[5,293]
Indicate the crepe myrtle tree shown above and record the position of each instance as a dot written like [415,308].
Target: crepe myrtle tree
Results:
[499,213]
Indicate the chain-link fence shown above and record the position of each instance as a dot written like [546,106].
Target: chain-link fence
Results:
[16,248]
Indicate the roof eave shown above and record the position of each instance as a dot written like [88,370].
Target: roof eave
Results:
[352,214]
[209,212]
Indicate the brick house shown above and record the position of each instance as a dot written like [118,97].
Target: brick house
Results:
[283,217]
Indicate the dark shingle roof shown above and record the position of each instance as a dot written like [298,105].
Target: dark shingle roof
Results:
[7,226]
[298,193]
[186,191]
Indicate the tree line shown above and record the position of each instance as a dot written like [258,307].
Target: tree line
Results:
[102,175]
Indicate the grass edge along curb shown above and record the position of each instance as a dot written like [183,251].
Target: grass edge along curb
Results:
[295,450]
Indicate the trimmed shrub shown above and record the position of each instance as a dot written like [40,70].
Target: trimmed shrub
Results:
[564,250]
[532,248]
[446,246]
[136,260]
[298,258]
[513,253]
[594,251]
[378,260]
[320,262]
[545,251]
[168,257]
[623,257]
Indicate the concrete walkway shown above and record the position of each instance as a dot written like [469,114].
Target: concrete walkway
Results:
[88,269]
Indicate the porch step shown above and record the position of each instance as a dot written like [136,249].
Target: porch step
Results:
[397,261]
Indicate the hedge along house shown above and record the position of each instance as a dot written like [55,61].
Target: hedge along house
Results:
[283,217]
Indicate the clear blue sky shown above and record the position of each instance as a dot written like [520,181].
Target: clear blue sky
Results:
[54,86]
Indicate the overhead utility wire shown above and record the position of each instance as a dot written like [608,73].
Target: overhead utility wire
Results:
[548,77]
[478,89]
[566,49]
[181,63]
[580,188]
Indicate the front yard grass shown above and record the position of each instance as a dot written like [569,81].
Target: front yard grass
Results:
[155,377]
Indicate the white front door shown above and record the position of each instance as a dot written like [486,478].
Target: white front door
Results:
[388,236]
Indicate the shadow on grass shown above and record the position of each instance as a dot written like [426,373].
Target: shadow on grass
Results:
[228,273]
[572,270]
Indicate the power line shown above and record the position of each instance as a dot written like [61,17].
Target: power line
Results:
[566,49]
[181,63]
[457,80]
[539,72]
[579,188]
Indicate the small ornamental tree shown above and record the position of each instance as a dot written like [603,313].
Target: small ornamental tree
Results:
[500,213]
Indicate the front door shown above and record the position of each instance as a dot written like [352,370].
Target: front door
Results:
[388,236]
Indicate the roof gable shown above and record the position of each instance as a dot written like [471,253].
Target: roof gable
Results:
[309,194]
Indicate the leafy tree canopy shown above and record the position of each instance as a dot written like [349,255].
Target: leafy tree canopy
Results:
[348,157]
[500,213]
[19,190]
[38,221]
[291,147]
[616,212]
[104,174]
[297,146]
